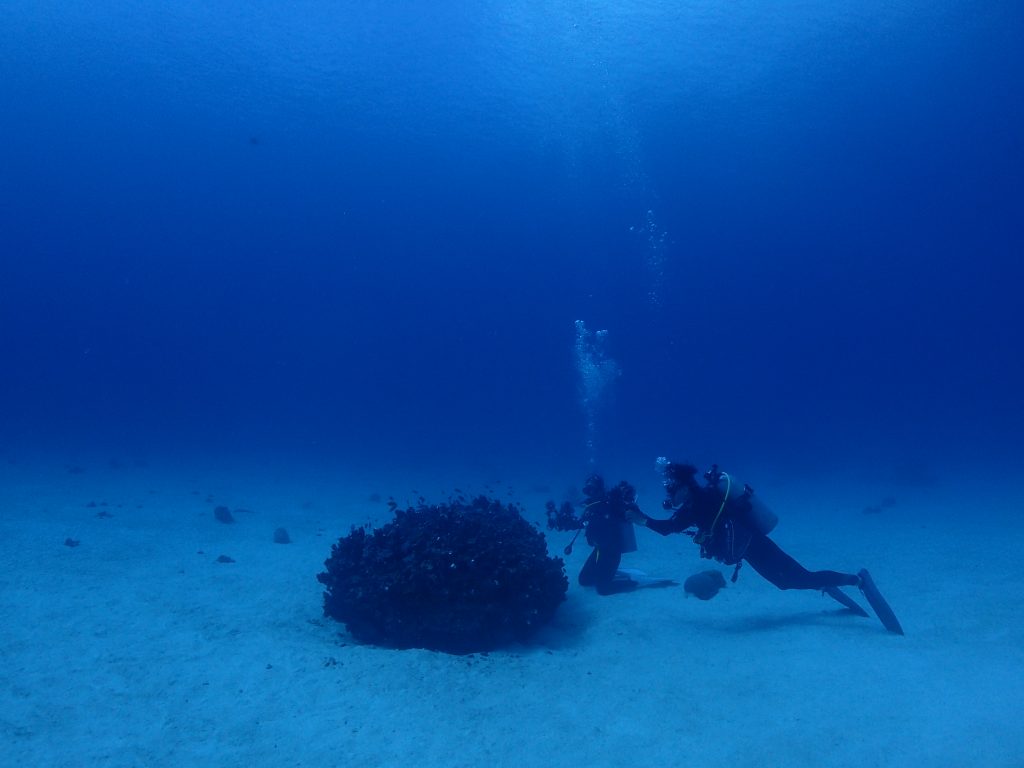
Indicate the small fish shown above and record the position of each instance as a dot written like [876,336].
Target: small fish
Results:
[704,585]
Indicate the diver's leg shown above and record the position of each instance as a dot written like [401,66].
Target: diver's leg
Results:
[765,557]
[588,573]
[608,559]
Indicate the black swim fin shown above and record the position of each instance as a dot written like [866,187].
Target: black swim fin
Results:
[878,604]
[641,579]
[841,597]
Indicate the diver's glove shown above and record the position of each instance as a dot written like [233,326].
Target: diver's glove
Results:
[636,516]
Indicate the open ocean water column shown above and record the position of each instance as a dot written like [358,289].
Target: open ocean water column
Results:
[597,371]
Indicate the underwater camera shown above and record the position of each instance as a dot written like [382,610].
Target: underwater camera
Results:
[562,518]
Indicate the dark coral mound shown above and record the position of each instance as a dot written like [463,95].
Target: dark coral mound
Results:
[458,577]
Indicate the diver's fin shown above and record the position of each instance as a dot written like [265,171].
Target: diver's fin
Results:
[841,597]
[881,608]
[641,579]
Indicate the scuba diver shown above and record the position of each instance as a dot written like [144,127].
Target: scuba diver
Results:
[731,526]
[606,523]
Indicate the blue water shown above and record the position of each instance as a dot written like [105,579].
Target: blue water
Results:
[317,229]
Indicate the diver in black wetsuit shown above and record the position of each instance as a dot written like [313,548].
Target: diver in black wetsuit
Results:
[730,527]
[609,532]
[606,523]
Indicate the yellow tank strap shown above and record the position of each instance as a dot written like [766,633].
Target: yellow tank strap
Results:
[725,498]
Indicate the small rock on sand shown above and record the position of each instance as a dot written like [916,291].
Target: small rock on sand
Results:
[704,585]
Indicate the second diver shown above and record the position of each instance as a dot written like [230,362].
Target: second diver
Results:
[731,526]
[607,524]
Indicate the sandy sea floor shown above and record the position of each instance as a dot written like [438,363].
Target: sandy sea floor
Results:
[137,648]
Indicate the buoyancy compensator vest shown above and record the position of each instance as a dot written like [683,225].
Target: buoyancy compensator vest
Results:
[739,501]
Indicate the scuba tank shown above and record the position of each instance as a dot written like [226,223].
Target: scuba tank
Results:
[739,499]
